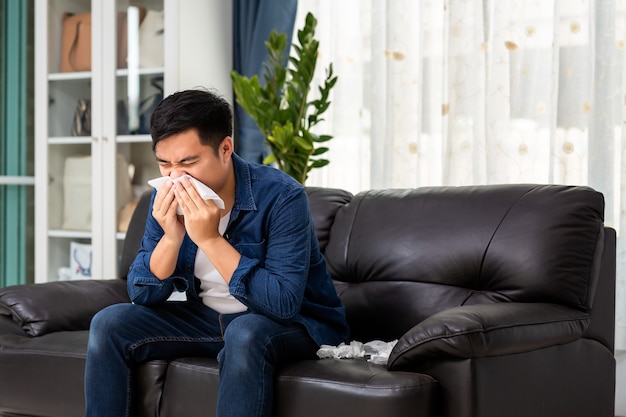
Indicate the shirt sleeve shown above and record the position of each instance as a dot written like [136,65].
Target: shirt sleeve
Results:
[143,286]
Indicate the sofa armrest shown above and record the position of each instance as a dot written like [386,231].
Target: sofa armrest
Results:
[59,306]
[487,330]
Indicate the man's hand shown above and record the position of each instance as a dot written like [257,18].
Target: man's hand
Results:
[164,212]
[163,259]
[201,217]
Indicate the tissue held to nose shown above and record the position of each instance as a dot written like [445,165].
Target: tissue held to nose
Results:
[205,192]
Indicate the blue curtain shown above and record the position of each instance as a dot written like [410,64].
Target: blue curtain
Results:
[253,22]
[16,221]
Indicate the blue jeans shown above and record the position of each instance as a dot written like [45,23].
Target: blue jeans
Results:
[248,346]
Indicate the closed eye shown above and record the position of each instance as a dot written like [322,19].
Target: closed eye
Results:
[187,162]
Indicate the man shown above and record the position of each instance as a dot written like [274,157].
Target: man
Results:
[256,286]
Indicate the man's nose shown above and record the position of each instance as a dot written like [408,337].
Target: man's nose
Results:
[177,172]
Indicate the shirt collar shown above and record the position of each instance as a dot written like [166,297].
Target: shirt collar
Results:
[243,185]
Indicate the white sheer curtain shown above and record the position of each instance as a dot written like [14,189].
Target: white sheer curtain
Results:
[455,92]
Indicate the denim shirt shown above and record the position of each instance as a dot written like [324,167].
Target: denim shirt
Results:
[281,274]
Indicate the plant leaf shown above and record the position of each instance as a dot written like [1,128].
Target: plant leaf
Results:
[280,105]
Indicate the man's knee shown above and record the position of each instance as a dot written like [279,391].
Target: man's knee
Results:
[250,332]
[108,323]
[109,317]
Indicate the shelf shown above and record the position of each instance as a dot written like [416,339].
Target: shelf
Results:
[140,71]
[69,76]
[86,75]
[134,139]
[86,140]
[69,234]
[70,140]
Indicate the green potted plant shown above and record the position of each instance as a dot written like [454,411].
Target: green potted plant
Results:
[281,106]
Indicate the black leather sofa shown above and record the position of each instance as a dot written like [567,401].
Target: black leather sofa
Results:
[501,299]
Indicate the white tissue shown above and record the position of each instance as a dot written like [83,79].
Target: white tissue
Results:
[343,351]
[205,192]
[375,351]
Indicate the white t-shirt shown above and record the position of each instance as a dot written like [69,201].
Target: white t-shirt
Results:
[213,289]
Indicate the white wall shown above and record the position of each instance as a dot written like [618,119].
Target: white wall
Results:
[203,50]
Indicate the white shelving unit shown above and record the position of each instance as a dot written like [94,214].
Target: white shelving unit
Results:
[196,51]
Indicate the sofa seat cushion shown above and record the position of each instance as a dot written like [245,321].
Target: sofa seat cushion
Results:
[313,388]
[353,387]
[45,374]
[190,388]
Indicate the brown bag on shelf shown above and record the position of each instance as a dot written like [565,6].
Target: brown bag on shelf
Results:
[76,42]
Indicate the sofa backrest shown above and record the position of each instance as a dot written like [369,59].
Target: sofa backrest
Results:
[324,203]
[400,256]
[134,234]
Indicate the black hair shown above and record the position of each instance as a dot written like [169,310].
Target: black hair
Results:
[206,112]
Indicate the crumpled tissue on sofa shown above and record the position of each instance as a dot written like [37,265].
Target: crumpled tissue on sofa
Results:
[376,351]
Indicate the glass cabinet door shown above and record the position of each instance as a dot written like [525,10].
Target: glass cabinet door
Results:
[67,154]
[93,152]
[99,74]
[139,87]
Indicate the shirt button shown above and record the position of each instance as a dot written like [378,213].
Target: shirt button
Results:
[189,267]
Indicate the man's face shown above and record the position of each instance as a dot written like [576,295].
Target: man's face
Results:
[184,154]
